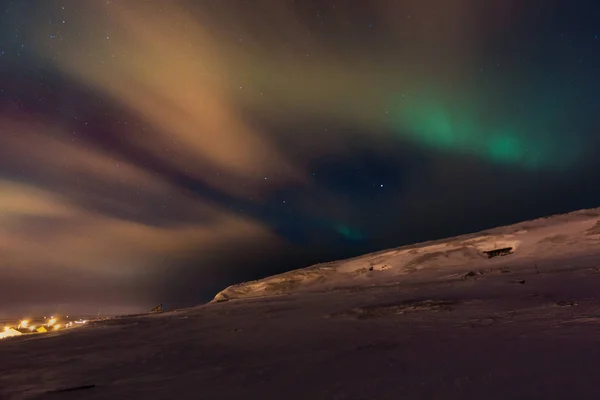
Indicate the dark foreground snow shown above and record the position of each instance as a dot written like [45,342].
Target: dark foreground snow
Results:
[506,328]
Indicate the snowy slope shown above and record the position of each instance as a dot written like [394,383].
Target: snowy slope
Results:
[567,234]
[443,322]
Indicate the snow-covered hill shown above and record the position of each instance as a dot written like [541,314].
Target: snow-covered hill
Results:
[437,320]
[572,234]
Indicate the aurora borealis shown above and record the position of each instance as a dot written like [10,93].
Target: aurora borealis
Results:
[155,152]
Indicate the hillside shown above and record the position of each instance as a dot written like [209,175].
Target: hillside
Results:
[564,235]
[437,320]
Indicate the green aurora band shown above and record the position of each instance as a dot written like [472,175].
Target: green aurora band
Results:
[538,138]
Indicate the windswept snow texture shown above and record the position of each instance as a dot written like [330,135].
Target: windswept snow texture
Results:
[432,321]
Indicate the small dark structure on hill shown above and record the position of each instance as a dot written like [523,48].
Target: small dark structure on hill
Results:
[158,308]
[499,252]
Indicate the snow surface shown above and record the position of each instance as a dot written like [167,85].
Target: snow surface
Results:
[436,320]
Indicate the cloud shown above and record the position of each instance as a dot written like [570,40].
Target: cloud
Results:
[69,231]
[197,74]
[164,68]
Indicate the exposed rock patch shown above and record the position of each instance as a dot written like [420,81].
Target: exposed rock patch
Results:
[381,310]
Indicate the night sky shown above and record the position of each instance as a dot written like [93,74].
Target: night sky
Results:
[158,151]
